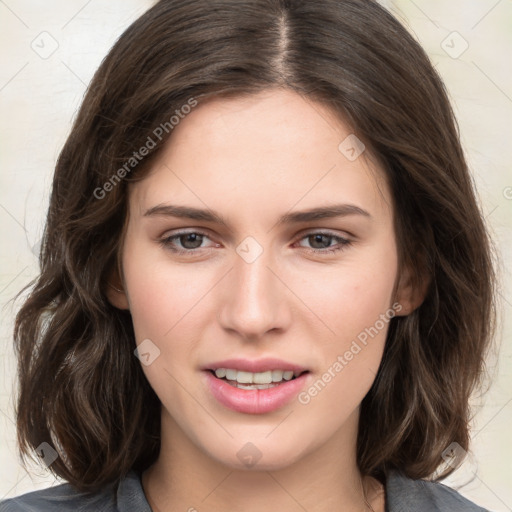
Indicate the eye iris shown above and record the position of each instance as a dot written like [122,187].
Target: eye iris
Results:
[325,239]
[195,238]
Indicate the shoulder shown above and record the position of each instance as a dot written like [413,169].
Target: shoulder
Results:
[127,496]
[404,494]
[62,497]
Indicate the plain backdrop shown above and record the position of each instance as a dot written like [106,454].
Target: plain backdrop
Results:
[49,52]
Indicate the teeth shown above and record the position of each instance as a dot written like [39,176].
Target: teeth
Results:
[246,378]
[255,378]
[231,374]
[277,375]
[220,372]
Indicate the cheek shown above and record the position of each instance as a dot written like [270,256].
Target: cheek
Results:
[161,302]
[351,358]
[161,294]
[156,307]
[349,297]
[355,301]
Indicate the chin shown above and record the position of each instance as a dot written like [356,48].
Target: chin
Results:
[258,455]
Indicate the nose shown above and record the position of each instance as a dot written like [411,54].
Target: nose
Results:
[254,299]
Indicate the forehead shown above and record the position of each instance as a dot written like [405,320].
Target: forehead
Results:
[272,149]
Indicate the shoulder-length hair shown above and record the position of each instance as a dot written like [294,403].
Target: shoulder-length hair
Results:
[82,390]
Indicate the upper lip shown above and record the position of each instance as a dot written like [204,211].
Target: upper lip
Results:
[255,365]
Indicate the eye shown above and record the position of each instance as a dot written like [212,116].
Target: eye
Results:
[189,242]
[321,242]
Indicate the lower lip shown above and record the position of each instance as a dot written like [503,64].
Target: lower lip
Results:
[255,401]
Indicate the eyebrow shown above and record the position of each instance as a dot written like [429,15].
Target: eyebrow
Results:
[312,214]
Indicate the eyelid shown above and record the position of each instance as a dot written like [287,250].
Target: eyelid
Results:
[185,231]
[177,233]
[325,231]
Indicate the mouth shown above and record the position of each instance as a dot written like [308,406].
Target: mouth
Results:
[256,380]
[255,393]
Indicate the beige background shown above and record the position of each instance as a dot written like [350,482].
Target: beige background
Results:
[40,93]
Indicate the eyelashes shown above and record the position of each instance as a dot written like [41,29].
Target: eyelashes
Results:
[196,238]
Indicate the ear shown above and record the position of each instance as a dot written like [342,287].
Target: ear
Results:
[114,290]
[411,291]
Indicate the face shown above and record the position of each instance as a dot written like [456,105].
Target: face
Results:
[257,275]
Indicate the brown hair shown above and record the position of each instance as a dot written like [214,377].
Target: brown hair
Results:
[81,387]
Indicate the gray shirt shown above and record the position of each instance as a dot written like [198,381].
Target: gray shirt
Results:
[402,495]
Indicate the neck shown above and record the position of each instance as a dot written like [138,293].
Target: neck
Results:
[321,479]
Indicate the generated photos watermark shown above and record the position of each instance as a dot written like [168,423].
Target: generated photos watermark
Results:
[143,151]
[343,360]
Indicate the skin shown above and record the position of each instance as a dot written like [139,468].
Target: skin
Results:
[252,160]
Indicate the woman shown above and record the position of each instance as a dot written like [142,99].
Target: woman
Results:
[264,279]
